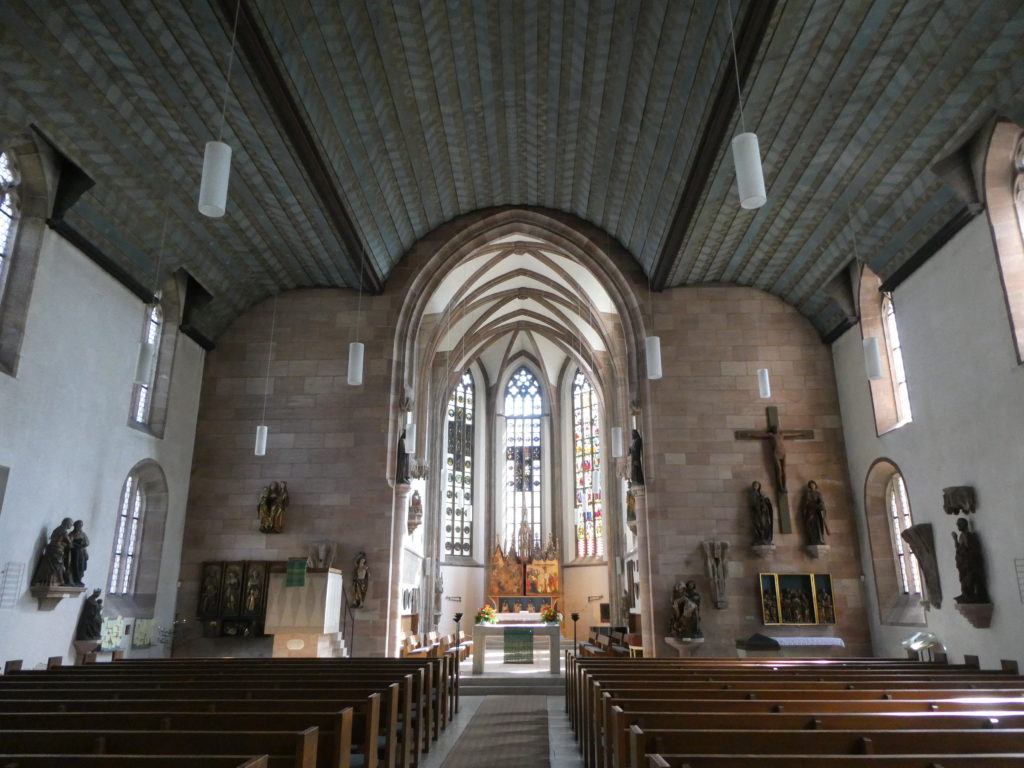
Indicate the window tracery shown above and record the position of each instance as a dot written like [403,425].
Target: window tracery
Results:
[895,350]
[126,538]
[523,454]
[145,378]
[8,214]
[898,506]
[458,521]
[588,504]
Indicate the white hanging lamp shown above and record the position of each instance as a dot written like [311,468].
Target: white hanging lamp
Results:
[617,445]
[213,189]
[873,358]
[652,348]
[261,430]
[746,152]
[764,384]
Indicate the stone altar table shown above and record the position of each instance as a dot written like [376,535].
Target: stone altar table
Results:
[482,631]
[763,646]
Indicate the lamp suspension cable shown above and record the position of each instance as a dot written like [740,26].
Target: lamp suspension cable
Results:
[213,189]
[261,430]
[746,152]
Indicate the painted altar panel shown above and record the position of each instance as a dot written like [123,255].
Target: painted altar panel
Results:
[542,578]
[797,598]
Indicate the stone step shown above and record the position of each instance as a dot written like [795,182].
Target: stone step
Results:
[513,690]
[469,681]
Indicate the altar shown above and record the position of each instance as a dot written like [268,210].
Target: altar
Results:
[482,631]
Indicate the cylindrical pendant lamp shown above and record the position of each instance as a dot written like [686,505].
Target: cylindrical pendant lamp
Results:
[746,154]
[764,383]
[144,368]
[873,358]
[355,363]
[213,190]
[652,346]
[410,437]
[617,452]
[261,440]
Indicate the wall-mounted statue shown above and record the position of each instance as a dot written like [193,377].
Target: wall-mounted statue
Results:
[402,462]
[970,564]
[51,570]
[815,516]
[636,459]
[91,620]
[763,514]
[686,610]
[957,499]
[272,505]
[78,557]
[415,512]
[360,581]
[716,555]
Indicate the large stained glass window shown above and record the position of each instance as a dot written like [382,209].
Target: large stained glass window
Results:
[458,511]
[523,409]
[587,468]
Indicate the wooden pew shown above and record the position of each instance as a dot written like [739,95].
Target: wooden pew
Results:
[643,742]
[284,748]
[928,760]
[130,761]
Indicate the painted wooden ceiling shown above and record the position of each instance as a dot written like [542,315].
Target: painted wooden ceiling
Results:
[359,127]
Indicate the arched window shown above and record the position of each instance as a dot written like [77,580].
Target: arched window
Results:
[899,520]
[145,374]
[127,534]
[899,374]
[523,456]
[458,513]
[587,468]
[8,215]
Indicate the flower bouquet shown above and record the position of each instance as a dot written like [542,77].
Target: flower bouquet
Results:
[550,615]
[487,615]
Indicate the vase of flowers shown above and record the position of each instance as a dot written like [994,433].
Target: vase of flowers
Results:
[487,615]
[550,615]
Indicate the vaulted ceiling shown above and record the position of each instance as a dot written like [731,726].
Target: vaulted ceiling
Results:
[358,127]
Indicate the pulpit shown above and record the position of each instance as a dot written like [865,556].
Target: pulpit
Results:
[305,620]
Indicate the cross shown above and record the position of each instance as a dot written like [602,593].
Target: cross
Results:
[776,438]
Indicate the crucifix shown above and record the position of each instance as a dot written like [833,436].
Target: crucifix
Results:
[776,438]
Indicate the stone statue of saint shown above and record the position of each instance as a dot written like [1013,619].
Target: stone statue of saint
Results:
[91,620]
[79,554]
[272,505]
[525,537]
[764,518]
[51,570]
[814,514]
[402,463]
[636,460]
[686,610]
[63,533]
[970,565]
[360,581]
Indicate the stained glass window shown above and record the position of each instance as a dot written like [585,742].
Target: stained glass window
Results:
[8,213]
[143,394]
[127,536]
[458,512]
[523,466]
[899,521]
[587,468]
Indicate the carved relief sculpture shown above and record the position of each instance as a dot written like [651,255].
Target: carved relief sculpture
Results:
[970,564]
[921,539]
[360,581]
[272,505]
[814,514]
[763,514]
[716,565]
[415,512]
[686,610]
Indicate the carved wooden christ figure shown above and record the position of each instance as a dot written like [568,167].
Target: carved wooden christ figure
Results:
[776,437]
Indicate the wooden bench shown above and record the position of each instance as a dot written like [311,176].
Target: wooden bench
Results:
[924,760]
[130,761]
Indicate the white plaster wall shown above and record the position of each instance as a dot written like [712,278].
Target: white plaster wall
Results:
[967,398]
[64,435]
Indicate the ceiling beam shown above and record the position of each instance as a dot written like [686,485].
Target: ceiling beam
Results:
[749,36]
[264,68]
